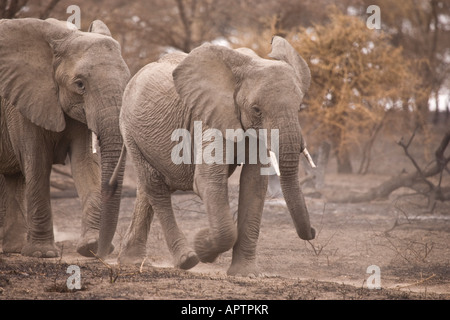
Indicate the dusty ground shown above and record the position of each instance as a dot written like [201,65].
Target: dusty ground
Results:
[399,235]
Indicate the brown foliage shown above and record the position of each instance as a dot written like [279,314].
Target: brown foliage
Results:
[358,80]
[358,76]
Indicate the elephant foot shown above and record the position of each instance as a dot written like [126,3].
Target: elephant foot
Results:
[40,250]
[244,269]
[204,247]
[208,249]
[88,246]
[13,245]
[187,260]
[14,238]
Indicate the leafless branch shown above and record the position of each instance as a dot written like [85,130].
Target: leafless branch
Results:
[411,180]
[48,9]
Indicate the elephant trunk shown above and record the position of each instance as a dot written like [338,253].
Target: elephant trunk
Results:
[110,141]
[291,144]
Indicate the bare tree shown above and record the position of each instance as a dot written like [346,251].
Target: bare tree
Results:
[9,8]
[422,28]
[48,9]
[419,180]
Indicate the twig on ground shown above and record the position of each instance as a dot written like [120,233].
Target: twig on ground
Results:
[416,283]
[112,274]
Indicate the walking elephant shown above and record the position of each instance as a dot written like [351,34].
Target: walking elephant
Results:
[57,87]
[213,90]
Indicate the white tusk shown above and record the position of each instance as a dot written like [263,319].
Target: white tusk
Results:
[94,142]
[308,157]
[273,159]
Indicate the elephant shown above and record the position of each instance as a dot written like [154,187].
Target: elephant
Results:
[59,89]
[221,89]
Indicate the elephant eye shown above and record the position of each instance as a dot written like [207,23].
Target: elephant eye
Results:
[256,109]
[80,85]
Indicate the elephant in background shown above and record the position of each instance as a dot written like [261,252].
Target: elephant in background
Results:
[223,89]
[57,87]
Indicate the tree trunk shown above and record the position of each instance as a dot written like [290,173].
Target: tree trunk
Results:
[322,163]
[344,164]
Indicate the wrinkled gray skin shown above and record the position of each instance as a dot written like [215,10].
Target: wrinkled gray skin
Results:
[225,89]
[57,86]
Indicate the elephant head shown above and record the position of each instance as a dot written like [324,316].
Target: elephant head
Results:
[50,71]
[236,89]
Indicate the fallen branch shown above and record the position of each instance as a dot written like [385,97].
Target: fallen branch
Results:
[415,180]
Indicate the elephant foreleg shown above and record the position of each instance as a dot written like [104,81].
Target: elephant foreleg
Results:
[14,223]
[211,183]
[252,192]
[40,238]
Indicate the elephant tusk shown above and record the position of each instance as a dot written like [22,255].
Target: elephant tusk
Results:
[308,157]
[273,159]
[94,142]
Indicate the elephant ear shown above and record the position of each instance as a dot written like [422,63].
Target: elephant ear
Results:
[26,70]
[283,51]
[206,81]
[98,26]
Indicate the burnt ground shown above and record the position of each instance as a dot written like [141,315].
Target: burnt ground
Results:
[410,245]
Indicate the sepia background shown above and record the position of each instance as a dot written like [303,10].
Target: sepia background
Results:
[376,118]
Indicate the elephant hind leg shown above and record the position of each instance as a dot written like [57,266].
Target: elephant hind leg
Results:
[153,196]
[135,246]
[184,257]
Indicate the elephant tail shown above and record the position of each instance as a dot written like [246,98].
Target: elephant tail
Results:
[113,182]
